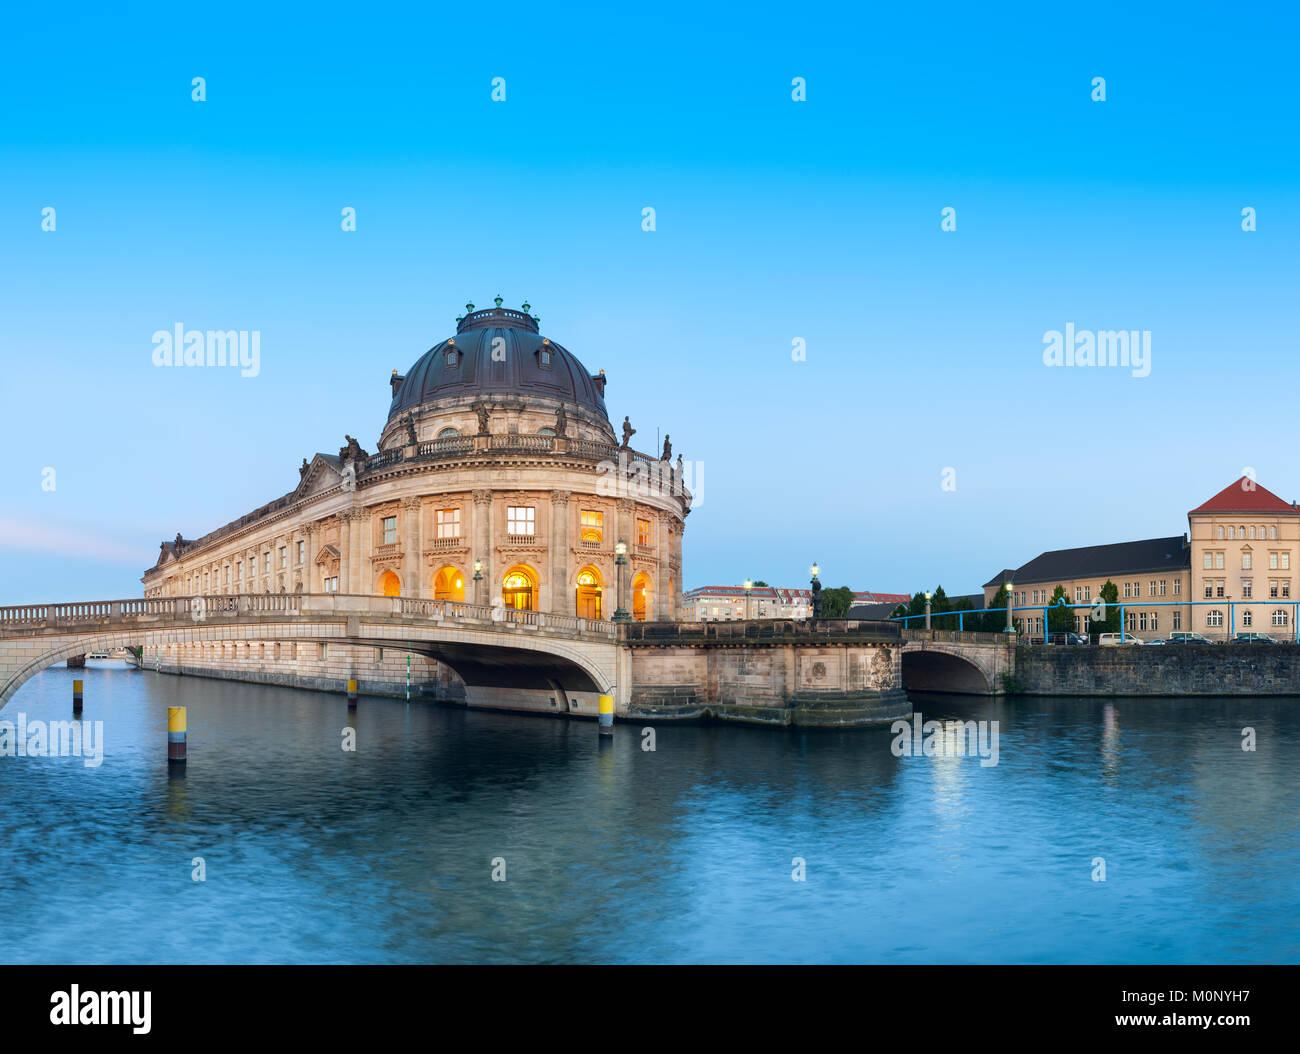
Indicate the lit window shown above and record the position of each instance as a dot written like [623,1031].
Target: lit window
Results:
[642,532]
[448,523]
[390,529]
[592,525]
[521,520]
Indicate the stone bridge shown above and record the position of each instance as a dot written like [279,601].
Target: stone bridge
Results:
[486,647]
[937,660]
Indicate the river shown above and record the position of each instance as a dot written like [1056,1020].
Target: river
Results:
[312,854]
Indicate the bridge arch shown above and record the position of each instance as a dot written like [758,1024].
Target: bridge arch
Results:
[937,669]
[523,651]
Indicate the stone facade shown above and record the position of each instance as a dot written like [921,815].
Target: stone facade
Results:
[511,494]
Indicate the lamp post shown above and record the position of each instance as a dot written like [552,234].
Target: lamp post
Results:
[1010,628]
[749,586]
[478,577]
[816,591]
[620,562]
[927,610]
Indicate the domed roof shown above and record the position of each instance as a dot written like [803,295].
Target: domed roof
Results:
[525,363]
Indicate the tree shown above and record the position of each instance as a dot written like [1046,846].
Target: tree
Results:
[995,620]
[836,602]
[1109,596]
[1060,619]
[760,582]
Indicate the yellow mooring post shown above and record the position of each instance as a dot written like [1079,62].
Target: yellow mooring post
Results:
[76,697]
[176,734]
[352,694]
[605,720]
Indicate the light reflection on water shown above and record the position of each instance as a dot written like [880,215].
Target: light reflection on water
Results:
[614,854]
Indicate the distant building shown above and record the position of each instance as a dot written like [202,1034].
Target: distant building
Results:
[720,603]
[1239,555]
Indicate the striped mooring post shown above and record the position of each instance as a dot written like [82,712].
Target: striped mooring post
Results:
[76,697]
[605,720]
[176,734]
[352,694]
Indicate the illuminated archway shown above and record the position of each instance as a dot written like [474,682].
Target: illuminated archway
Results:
[589,593]
[390,585]
[519,588]
[642,596]
[449,584]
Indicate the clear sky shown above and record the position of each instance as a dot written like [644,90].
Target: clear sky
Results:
[776,220]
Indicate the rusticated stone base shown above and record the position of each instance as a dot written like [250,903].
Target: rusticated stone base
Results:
[840,710]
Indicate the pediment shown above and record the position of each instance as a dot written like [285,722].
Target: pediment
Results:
[323,473]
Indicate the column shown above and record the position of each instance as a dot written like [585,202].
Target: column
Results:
[413,563]
[482,546]
[345,550]
[309,557]
[562,594]
[361,551]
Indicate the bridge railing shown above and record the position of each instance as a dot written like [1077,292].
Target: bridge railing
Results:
[259,606]
[761,630]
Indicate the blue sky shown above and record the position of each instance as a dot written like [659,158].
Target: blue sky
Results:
[775,220]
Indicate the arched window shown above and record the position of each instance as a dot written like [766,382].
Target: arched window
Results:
[1241,531]
[546,431]
[642,597]
[1232,531]
[519,588]
[448,433]
[589,599]
[1279,617]
[389,585]
[1252,530]
[449,584]
[1272,533]
[1218,532]
[1248,618]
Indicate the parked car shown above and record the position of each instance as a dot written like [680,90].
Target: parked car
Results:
[1188,638]
[1067,638]
[1158,640]
[1253,638]
[1112,639]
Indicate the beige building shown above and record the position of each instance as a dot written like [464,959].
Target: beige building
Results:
[498,479]
[1231,573]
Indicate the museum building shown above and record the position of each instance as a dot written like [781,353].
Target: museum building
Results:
[497,479]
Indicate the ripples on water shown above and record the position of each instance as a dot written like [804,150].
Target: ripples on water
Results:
[618,855]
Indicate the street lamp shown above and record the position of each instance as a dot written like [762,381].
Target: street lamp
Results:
[620,562]
[478,577]
[749,585]
[927,610]
[816,591]
[1010,627]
